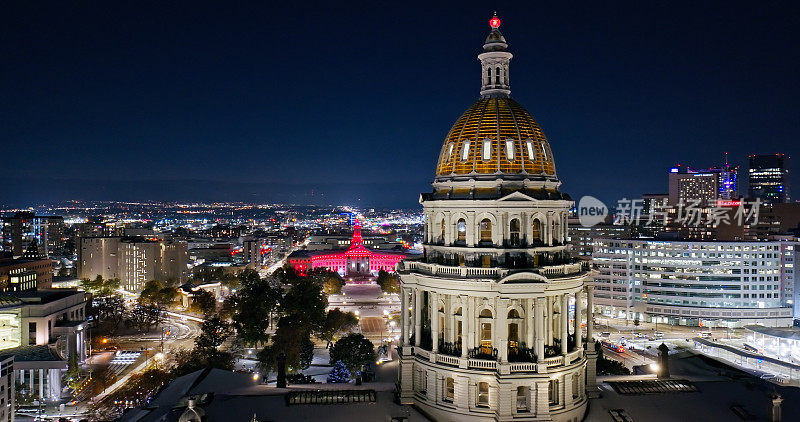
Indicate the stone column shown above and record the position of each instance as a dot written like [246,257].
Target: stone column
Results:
[433,299]
[564,324]
[41,383]
[467,327]
[417,317]
[404,309]
[502,329]
[548,335]
[590,316]
[529,313]
[538,322]
[578,336]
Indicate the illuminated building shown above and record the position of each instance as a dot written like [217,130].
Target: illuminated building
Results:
[769,178]
[694,283]
[134,261]
[356,261]
[24,228]
[25,274]
[492,316]
[706,185]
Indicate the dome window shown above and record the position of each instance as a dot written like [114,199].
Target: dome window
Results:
[544,151]
[510,149]
[487,149]
[450,151]
[465,151]
[531,152]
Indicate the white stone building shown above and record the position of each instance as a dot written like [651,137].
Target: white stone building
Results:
[493,313]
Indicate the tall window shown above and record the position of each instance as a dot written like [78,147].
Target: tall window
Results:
[552,392]
[487,150]
[514,232]
[497,75]
[576,384]
[449,151]
[510,149]
[488,76]
[536,230]
[486,230]
[483,394]
[465,151]
[486,331]
[441,231]
[449,389]
[531,152]
[544,151]
[522,399]
[461,230]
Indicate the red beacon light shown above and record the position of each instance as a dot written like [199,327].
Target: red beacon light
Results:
[494,22]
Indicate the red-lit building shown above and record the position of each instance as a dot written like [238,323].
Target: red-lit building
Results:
[355,261]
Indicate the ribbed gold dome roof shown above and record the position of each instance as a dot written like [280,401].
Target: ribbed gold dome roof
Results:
[496,137]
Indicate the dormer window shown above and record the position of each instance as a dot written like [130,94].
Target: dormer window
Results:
[487,149]
[465,151]
[450,151]
[531,152]
[510,149]
[544,151]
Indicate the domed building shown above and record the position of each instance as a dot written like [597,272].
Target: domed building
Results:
[493,314]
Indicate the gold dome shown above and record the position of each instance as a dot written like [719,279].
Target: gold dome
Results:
[498,138]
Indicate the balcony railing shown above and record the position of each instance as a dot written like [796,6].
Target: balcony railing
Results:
[553,271]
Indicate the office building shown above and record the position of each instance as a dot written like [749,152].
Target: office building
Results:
[24,228]
[769,178]
[692,283]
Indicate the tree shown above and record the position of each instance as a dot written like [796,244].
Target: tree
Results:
[289,339]
[336,322]
[99,287]
[339,373]
[389,282]
[306,353]
[306,301]
[251,308]
[188,361]
[144,317]
[354,350]
[213,332]
[203,302]
[110,309]
[158,293]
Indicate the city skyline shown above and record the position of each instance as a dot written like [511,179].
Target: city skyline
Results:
[160,102]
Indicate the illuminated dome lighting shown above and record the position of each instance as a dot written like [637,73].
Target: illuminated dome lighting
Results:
[496,140]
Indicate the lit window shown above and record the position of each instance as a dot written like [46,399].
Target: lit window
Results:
[487,150]
[450,151]
[465,151]
[544,151]
[483,394]
[510,149]
[449,389]
[531,152]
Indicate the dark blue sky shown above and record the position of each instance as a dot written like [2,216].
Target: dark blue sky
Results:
[149,100]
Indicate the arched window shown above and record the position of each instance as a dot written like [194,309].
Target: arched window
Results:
[531,151]
[488,76]
[514,232]
[461,230]
[449,151]
[486,313]
[487,149]
[513,314]
[510,149]
[441,231]
[486,230]
[458,311]
[465,151]
[497,75]
[554,230]
[536,230]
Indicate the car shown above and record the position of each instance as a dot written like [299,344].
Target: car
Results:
[658,334]
[605,334]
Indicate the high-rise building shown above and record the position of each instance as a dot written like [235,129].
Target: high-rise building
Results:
[23,228]
[134,261]
[705,185]
[769,178]
[493,313]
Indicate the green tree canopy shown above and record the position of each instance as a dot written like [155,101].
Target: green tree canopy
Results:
[158,293]
[389,282]
[354,350]
[336,322]
[203,302]
[251,308]
[100,287]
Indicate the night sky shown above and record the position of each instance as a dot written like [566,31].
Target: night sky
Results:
[348,103]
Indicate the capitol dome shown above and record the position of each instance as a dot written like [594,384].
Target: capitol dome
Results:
[496,137]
